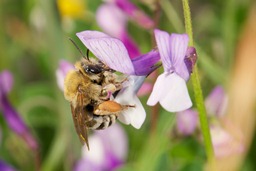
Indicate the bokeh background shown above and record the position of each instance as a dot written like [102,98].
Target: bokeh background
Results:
[34,37]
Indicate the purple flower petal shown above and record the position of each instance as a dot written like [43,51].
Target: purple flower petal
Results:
[190,59]
[172,51]
[164,48]
[216,102]
[109,50]
[5,167]
[171,92]
[179,45]
[6,82]
[111,19]
[130,45]
[144,64]
[187,122]
[134,13]
[61,72]
[15,122]
[11,116]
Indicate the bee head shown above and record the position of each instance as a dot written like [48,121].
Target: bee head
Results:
[92,69]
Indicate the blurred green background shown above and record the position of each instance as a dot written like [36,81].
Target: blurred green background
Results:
[34,37]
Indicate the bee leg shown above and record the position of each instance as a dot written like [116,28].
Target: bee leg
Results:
[110,107]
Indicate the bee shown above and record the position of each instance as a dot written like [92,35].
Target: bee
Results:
[89,88]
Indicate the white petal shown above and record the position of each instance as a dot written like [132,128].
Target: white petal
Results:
[134,116]
[176,97]
[158,91]
[97,154]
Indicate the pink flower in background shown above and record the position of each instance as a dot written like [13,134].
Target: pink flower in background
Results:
[113,16]
[224,143]
[134,13]
[113,21]
[216,102]
[61,72]
[187,121]
[11,116]
[170,89]
[110,148]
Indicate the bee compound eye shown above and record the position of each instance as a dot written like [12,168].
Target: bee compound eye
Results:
[93,69]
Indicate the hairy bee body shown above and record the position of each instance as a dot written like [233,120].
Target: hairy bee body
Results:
[88,89]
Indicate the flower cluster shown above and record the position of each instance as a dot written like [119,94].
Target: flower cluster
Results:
[170,88]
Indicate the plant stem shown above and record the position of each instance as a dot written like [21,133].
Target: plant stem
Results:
[197,88]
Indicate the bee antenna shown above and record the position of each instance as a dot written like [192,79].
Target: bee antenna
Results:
[87,53]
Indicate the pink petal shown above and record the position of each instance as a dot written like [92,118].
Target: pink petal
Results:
[145,89]
[216,102]
[109,50]
[61,72]
[135,14]
[111,19]
[6,82]
[224,143]
[179,45]
[130,45]
[187,122]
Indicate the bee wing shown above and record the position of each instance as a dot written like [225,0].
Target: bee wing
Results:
[78,114]
[109,50]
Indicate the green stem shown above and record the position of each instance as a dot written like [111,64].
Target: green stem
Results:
[197,88]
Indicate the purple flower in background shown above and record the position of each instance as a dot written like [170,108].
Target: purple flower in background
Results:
[61,72]
[110,150]
[134,13]
[113,53]
[113,16]
[11,116]
[5,167]
[170,89]
[113,21]
[216,102]
[187,122]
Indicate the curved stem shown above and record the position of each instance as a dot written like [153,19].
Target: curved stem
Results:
[197,88]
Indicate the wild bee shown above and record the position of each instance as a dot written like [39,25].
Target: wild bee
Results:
[89,89]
